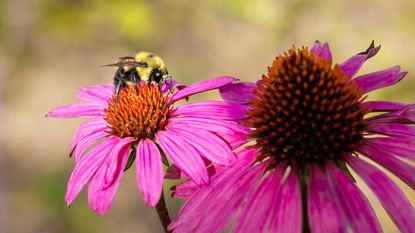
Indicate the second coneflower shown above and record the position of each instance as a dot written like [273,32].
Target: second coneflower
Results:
[310,123]
[144,126]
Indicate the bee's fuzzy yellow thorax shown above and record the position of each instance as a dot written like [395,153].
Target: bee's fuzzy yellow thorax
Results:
[153,62]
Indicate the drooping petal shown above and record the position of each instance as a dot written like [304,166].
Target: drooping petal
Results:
[379,79]
[89,126]
[383,106]
[322,205]
[399,146]
[257,212]
[407,113]
[402,170]
[322,50]
[98,93]
[355,206]
[393,129]
[201,87]
[87,166]
[287,216]
[210,146]
[92,109]
[353,64]
[87,141]
[212,110]
[149,171]
[113,169]
[389,194]
[224,181]
[216,218]
[184,156]
[382,119]
[241,92]
[102,189]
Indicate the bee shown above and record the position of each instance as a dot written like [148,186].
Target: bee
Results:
[144,66]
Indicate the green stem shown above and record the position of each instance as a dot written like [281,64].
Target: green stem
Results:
[163,213]
[303,179]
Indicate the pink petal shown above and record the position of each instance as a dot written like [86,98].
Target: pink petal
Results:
[201,87]
[402,170]
[321,204]
[99,93]
[212,110]
[389,194]
[256,214]
[209,145]
[194,210]
[404,115]
[407,112]
[113,169]
[402,147]
[173,172]
[353,64]
[187,188]
[78,110]
[214,125]
[170,84]
[183,155]
[355,206]
[89,126]
[322,50]
[87,166]
[220,211]
[383,106]
[241,92]
[287,216]
[393,129]
[102,189]
[379,79]
[149,171]
[87,141]
[236,140]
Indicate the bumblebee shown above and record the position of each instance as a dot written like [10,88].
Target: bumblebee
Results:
[144,66]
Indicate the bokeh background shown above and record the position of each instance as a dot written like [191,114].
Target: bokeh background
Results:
[51,48]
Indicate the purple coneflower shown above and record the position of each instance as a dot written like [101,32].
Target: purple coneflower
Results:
[144,126]
[310,124]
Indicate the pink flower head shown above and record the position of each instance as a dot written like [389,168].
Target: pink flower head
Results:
[147,126]
[310,124]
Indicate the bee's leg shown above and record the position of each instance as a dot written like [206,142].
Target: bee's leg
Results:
[170,84]
[118,89]
[118,83]
[135,79]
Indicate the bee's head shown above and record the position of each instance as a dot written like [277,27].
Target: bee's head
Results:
[155,68]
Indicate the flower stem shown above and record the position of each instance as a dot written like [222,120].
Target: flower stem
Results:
[303,183]
[163,213]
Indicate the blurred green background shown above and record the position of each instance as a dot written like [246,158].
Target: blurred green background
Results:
[49,49]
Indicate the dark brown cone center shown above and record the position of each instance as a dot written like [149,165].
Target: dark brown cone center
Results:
[305,110]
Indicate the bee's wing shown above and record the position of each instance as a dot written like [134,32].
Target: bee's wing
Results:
[127,63]
[113,64]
